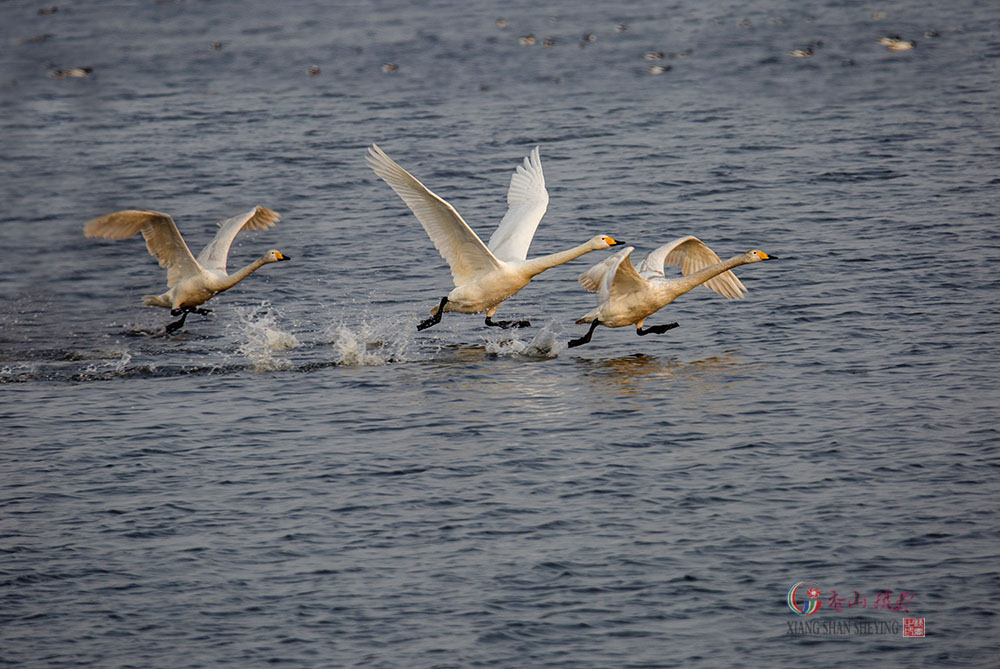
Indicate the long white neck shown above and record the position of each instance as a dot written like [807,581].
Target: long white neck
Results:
[242,273]
[678,287]
[538,265]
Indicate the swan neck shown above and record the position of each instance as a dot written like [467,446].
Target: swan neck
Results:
[695,279]
[542,263]
[244,272]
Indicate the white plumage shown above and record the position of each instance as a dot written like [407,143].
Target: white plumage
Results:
[190,281]
[628,296]
[484,275]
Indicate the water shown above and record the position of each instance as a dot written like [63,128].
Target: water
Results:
[303,479]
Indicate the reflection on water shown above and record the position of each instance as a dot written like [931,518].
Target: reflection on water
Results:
[634,374]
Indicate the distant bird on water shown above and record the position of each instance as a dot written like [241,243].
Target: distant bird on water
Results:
[897,43]
[71,73]
[484,275]
[628,296]
[191,281]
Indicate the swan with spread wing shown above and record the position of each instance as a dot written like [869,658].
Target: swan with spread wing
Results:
[484,274]
[191,281]
[627,295]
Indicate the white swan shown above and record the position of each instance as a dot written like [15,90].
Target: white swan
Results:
[627,296]
[484,274]
[191,281]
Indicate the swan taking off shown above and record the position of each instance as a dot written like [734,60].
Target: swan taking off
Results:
[627,296]
[484,274]
[191,281]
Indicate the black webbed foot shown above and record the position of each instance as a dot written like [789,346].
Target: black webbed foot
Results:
[585,339]
[656,329]
[436,318]
[178,324]
[506,325]
[183,313]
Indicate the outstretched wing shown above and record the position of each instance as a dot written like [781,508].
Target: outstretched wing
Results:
[621,278]
[163,239]
[214,255]
[592,278]
[527,200]
[691,255]
[454,239]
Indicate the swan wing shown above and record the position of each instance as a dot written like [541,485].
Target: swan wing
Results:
[163,239]
[214,255]
[691,255]
[465,253]
[592,278]
[622,277]
[527,200]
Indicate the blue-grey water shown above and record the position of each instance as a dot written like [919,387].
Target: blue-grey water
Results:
[303,479]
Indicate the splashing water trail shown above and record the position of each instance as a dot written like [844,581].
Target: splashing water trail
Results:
[379,342]
[543,345]
[262,338]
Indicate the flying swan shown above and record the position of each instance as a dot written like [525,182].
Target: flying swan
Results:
[484,274]
[191,281]
[627,296]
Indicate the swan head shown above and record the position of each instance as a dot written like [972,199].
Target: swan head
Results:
[604,242]
[274,255]
[754,255]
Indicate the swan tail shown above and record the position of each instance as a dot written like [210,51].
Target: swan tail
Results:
[155,301]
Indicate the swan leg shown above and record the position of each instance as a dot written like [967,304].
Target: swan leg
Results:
[507,324]
[436,318]
[585,339]
[183,313]
[656,329]
[178,324]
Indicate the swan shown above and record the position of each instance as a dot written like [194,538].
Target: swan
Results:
[191,281]
[484,274]
[627,296]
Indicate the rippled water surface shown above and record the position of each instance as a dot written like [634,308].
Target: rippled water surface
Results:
[303,479]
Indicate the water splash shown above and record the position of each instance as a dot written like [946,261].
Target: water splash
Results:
[543,345]
[258,328]
[372,342]
[122,363]
[117,358]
